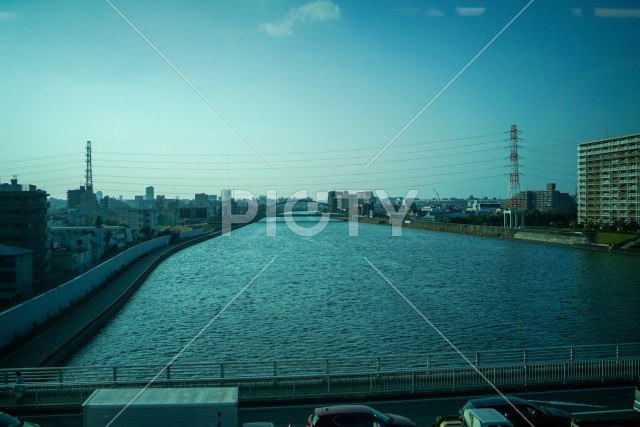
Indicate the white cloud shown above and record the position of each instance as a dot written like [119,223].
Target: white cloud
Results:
[7,16]
[577,12]
[315,11]
[470,11]
[617,13]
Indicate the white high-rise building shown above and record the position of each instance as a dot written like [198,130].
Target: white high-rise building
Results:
[608,180]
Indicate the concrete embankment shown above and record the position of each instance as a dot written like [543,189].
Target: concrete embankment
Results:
[576,239]
[557,238]
[60,339]
[476,230]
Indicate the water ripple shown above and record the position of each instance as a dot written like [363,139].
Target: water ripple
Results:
[321,299]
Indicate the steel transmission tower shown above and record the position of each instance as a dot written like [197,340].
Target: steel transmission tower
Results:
[514,175]
[88,184]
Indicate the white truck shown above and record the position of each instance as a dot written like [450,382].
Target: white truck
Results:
[484,417]
[160,407]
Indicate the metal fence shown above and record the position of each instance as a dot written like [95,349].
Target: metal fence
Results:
[331,378]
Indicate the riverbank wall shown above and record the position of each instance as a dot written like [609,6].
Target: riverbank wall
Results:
[55,339]
[577,238]
[23,318]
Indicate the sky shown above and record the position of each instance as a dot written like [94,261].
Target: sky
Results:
[289,96]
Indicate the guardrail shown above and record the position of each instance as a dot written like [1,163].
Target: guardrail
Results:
[338,378]
[327,366]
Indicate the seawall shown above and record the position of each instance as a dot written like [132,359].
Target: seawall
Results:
[22,319]
[529,235]
[58,338]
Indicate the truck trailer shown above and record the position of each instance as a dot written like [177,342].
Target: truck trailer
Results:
[158,407]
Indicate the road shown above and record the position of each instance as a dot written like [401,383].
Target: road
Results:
[584,403]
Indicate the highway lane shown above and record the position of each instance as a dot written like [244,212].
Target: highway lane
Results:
[423,411]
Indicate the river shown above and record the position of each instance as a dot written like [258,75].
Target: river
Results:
[252,296]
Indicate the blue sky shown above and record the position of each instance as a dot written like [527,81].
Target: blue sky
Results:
[287,96]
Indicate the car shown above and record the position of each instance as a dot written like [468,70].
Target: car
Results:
[355,416]
[7,420]
[636,402]
[538,415]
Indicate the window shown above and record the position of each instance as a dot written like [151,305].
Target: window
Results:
[365,421]
[7,261]
[7,276]
[346,421]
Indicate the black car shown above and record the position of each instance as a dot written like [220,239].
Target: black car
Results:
[7,420]
[538,415]
[355,416]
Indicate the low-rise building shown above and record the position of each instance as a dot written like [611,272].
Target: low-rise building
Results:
[546,200]
[74,260]
[16,273]
[82,205]
[24,223]
[82,247]
[490,206]
[143,221]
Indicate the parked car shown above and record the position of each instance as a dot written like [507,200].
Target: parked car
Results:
[7,420]
[355,416]
[538,415]
[636,402]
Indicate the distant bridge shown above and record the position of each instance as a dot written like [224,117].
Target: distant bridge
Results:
[302,213]
[304,207]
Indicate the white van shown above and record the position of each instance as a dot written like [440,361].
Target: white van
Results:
[484,417]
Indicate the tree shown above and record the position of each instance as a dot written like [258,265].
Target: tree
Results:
[619,224]
[590,226]
[145,232]
[632,226]
[98,221]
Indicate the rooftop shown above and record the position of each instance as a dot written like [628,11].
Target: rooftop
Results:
[13,251]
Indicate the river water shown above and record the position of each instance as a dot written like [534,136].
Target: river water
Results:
[321,296]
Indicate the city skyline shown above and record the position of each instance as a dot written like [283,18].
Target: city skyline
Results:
[314,96]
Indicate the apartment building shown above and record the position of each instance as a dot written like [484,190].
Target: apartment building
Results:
[608,180]
[140,219]
[24,223]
